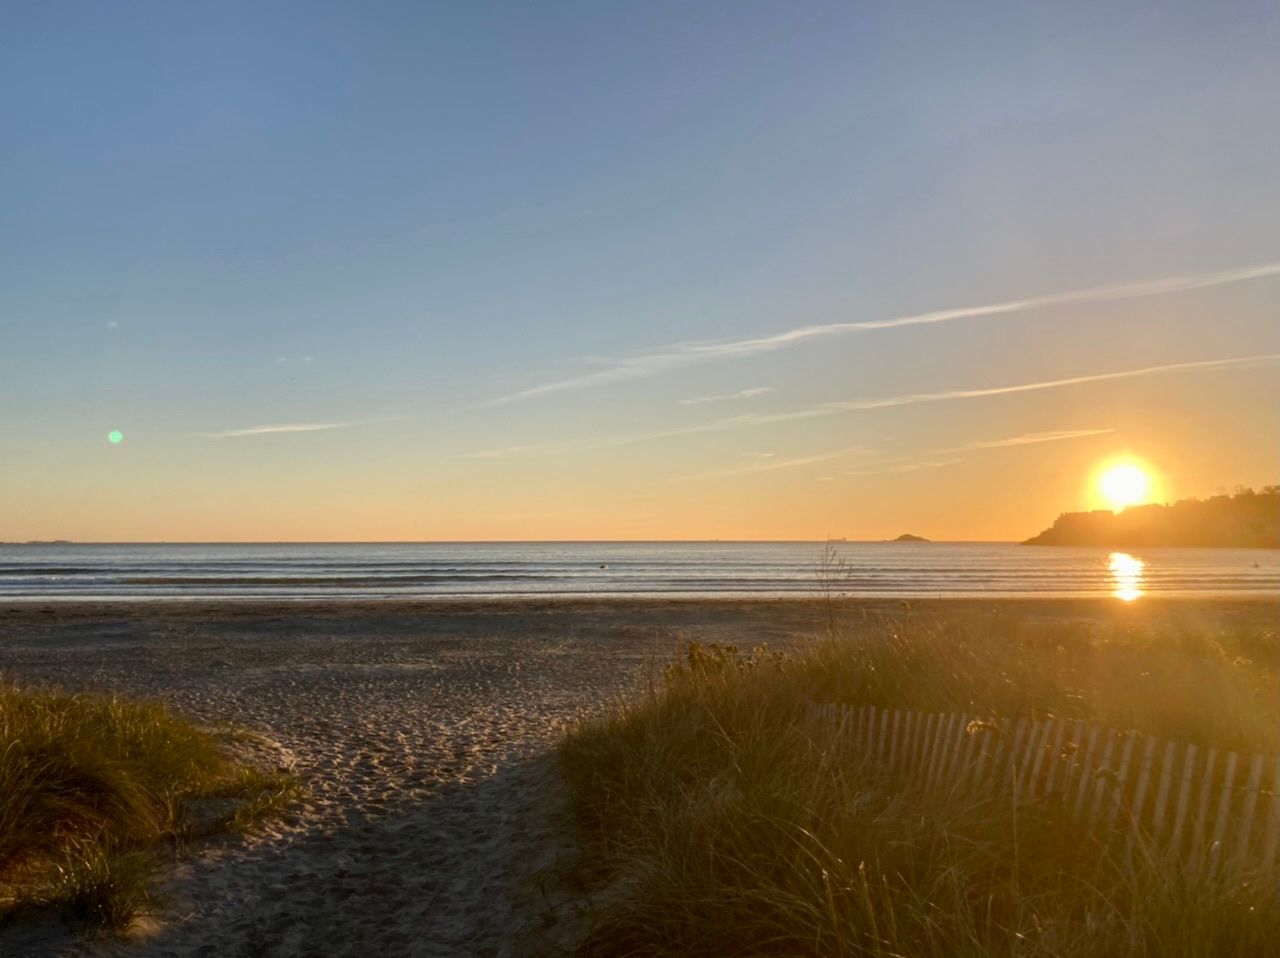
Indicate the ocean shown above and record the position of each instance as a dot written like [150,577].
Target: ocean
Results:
[693,569]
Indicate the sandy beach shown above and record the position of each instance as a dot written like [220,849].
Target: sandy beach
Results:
[422,730]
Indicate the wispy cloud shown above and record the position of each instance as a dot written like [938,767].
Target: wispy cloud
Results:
[740,394]
[772,465]
[685,354]
[980,445]
[267,430]
[908,399]
[858,405]
[1031,438]
[925,464]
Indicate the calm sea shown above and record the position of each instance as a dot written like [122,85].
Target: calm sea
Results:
[349,570]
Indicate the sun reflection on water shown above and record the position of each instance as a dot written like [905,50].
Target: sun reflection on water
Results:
[1126,576]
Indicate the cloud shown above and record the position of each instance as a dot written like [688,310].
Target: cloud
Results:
[740,394]
[925,464]
[908,399]
[1033,437]
[772,465]
[858,405]
[1026,439]
[266,430]
[685,354]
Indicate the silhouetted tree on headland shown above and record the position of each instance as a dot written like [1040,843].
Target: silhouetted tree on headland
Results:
[1247,519]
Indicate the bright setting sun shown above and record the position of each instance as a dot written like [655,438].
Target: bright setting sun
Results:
[1124,484]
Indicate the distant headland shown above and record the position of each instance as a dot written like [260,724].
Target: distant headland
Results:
[1245,520]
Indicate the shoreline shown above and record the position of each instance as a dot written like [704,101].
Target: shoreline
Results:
[15,610]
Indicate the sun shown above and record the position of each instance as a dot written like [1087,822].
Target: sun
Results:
[1124,484]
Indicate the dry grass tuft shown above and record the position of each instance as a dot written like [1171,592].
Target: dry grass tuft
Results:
[713,824]
[91,786]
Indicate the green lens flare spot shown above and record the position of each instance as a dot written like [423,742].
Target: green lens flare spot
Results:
[115,436]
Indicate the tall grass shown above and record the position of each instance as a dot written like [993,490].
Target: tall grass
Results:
[91,785]
[713,824]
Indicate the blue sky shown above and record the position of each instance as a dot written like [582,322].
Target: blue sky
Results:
[405,221]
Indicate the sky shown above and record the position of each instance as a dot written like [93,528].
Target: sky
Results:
[412,271]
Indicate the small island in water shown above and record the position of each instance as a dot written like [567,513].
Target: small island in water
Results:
[908,537]
[1245,520]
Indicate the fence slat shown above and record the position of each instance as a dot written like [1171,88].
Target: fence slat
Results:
[1071,770]
[1224,806]
[1122,778]
[1162,796]
[1034,734]
[1033,779]
[920,758]
[1272,841]
[953,761]
[1009,759]
[913,743]
[1086,772]
[972,736]
[1144,778]
[895,731]
[935,762]
[1100,780]
[1248,807]
[1184,796]
[1198,838]
[883,744]
[909,742]
[922,751]
[1055,756]
[987,749]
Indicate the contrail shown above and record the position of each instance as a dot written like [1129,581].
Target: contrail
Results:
[265,430]
[686,354]
[883,402]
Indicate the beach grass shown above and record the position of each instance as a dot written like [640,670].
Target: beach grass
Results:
[94,787]
[712,822]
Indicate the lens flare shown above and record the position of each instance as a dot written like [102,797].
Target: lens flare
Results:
[115,437]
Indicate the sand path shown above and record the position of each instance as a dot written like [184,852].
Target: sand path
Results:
[433,804]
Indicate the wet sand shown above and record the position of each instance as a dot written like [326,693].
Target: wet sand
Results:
[423,730]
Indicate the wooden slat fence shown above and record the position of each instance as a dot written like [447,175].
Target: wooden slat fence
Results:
[1203,807]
